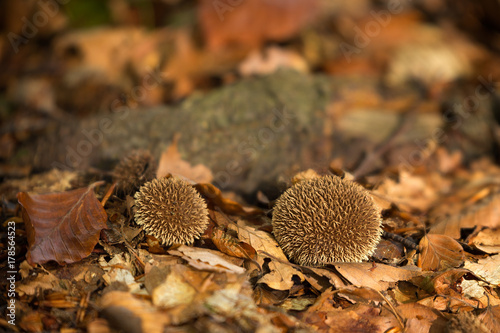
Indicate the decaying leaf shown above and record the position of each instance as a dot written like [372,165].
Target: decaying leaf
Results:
[482,210]
[487,268]
[126,313]
[446,294]
[63,227]
[491,318]
[439,252]
[250,23]
[421,318]
[205,259]
[171,162]
[231,246]
[487,240]
[228,206]
[281,276]
[262,242]
[377,276]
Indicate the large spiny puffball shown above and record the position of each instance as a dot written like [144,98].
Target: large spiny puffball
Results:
[326,219]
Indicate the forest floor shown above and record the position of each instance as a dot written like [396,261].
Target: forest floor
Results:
[402,100]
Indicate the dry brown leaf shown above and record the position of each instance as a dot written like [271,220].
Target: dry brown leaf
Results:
[173,291]
[228,206]
[360,318]
[421,318]
[409,193]
[281,276]
[447,295]
[126,313]
[487,268]
[375,276]
[171,162]
[487,240]
[322,279]
[361,295]
[43,281]
[439,252]
[205,259]
[491,318]
[261,241]
[481,212]
[250,23]
[63,227]
[230,245]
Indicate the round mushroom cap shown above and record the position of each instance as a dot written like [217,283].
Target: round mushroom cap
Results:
[171,210]
[327,219]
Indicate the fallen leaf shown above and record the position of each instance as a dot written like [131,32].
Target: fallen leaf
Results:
[421,318]
[126,313]
[487,240]
[43,281]
[483,212]
[439,252]
[63,227]
[487,268]
[171,162]
[204,259]
[360,318]
[322,279]
[173,291]
[491,318]
[230,245]
[281,276]
[228,206]
[248,24]
[378,276]
[447,295]
[262,242]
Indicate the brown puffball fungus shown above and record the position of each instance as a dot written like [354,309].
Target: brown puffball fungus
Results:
[171,210]
[134,170]
[326,219]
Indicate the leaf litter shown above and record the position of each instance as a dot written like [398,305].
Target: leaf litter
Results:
[85,265]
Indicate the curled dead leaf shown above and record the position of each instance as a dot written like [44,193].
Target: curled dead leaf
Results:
[63,227]
[231,246]
[439,252]
[228,206]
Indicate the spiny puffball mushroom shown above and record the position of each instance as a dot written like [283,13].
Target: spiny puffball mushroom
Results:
[326,219]
[171,210]
[134,170]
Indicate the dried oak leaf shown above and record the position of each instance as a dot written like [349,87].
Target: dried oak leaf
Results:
[439,252]
[63,227]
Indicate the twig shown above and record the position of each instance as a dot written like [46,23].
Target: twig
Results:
[394,312]
[408,243]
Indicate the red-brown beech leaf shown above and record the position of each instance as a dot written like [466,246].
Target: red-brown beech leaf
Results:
[439,252]
[63,227]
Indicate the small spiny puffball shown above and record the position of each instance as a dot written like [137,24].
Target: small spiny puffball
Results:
[326,219]
[171,210]
[134,170]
